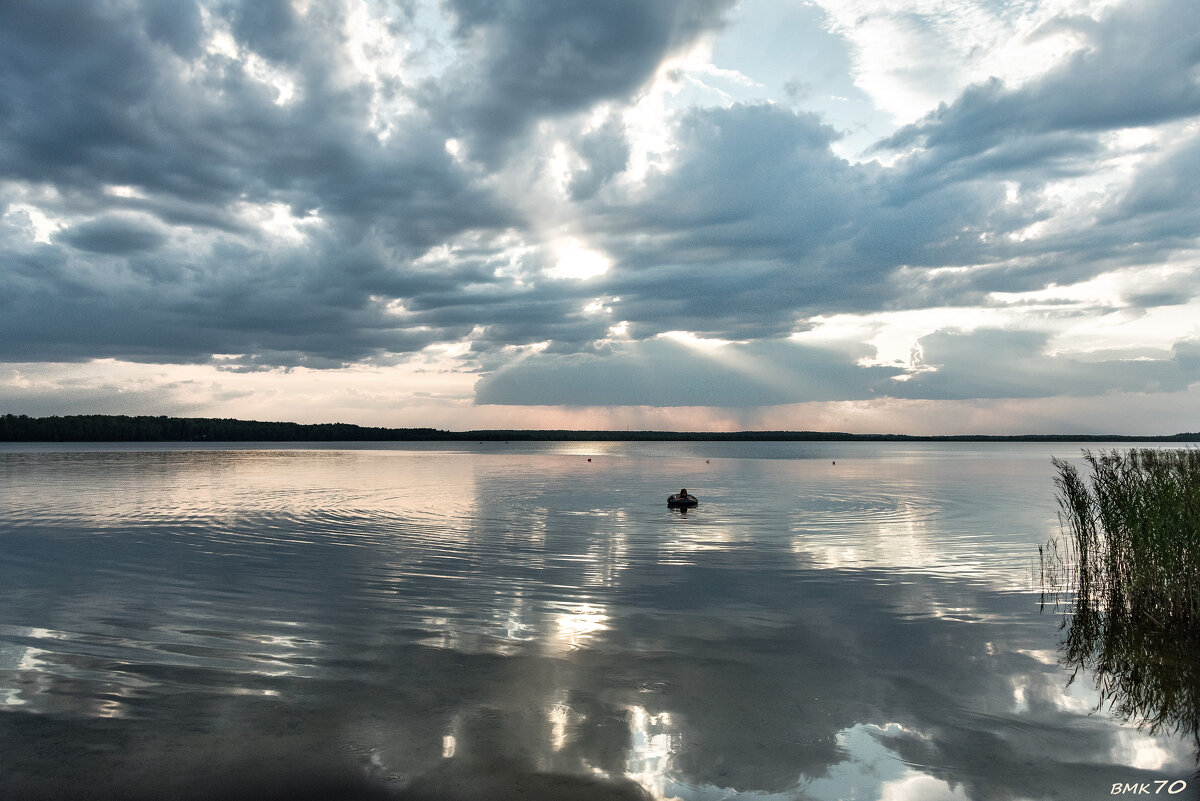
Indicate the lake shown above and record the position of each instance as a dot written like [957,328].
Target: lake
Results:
[529,620]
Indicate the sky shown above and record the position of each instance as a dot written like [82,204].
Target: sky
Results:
[913,216]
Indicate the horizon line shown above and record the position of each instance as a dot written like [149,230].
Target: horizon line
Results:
[164,428]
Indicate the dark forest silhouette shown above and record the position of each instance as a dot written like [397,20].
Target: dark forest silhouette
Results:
[123,428]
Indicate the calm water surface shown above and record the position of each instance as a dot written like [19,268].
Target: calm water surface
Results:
[531,621]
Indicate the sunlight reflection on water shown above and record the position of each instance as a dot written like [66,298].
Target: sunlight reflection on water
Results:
[491,617]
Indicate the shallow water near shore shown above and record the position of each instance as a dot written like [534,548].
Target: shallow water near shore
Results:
[529,620]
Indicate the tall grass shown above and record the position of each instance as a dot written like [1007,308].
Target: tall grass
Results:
[1134,533]
[1129,554]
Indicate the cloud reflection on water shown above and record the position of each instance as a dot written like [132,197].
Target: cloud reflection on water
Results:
[482,634]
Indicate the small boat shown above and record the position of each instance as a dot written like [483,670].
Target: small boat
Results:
[678,501]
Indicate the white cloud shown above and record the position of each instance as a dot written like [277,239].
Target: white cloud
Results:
[920,787]
[576,260]
[911,55]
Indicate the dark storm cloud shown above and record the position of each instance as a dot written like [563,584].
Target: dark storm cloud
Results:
[100,98]
[530,59]
[269,27]
[113,234]
[749,228]
[160,161]
[88,99]
[94,96]
[753,176]
[1137,69]
[175,23]
[175,306]
[95,100]
[1134,72]
[758,215]
[759,225]
[605,152]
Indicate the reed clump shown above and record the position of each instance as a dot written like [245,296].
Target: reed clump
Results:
[1132,548]
[1128,558]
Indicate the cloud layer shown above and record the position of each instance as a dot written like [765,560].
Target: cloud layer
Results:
[536,194]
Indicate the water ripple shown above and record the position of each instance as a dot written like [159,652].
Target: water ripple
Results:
[422,604]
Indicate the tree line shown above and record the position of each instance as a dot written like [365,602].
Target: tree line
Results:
[124,428]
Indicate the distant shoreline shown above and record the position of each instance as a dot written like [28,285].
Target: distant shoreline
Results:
[124,428]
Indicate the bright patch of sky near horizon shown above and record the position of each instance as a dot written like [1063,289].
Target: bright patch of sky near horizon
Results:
[917,215]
